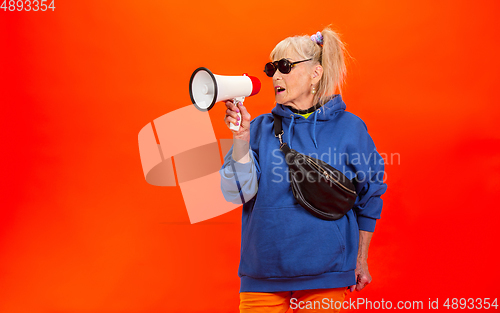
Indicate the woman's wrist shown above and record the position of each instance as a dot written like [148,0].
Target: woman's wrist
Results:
[241,150]
[362,259]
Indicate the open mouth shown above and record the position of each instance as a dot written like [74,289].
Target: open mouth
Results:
[279,89]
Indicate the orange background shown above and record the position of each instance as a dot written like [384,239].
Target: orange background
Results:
[82,231]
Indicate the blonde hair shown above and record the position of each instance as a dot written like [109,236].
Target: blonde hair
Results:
[331,56]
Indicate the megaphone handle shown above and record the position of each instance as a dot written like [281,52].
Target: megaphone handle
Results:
[231,125]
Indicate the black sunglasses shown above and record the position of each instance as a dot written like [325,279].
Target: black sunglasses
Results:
[283,65]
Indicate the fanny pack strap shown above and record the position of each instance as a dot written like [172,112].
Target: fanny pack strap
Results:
[278,132]
[278,128]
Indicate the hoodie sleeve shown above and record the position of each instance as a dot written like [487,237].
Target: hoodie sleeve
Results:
[239,181]
[369,169]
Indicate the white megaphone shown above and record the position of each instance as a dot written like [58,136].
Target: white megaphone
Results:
[206,88]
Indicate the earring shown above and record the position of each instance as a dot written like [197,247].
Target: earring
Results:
[313,91]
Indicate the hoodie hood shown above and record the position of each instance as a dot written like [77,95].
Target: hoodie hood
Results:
[326,112]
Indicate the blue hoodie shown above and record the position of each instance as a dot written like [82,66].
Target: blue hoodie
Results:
[283,246]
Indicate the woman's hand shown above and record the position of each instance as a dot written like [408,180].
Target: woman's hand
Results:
[363,276]
[241,138]
[232,117]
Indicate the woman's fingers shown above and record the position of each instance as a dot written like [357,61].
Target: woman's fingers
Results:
[231,114]
[231,106]
[231,120]
[244,113]
[363,281]
[233,117]
[243,121]
[363,278]
[245,116]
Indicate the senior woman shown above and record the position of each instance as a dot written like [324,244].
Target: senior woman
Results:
[290,258]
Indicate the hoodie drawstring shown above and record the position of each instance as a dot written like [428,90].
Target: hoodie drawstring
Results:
[290,131]
[314,128]
[313,131]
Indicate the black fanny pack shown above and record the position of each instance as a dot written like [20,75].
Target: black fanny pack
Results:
[318,187]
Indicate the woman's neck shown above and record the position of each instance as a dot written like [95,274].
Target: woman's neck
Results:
[309,110]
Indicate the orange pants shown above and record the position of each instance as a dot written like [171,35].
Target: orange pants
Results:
[314,300]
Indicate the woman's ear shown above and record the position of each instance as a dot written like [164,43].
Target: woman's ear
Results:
[317,74]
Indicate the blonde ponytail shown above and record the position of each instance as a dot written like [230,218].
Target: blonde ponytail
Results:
[333,63]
